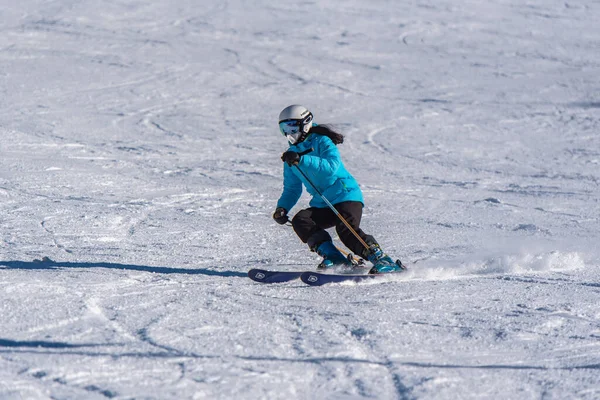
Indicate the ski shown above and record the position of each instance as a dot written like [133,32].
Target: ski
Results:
[318,279]
[311,278]
[264,276]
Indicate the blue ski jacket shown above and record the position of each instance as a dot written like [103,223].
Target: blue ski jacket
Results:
[324,167]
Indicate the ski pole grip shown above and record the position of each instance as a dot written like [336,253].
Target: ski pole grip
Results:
[306,151]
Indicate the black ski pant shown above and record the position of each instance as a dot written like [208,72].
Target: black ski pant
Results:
[310,225]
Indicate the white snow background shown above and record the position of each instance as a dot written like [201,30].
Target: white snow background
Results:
[139,152]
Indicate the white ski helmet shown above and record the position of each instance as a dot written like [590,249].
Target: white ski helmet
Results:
[294,123]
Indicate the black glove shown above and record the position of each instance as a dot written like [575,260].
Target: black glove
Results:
[291,158]
[280,216]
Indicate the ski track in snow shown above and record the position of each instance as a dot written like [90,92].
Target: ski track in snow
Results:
[140,166]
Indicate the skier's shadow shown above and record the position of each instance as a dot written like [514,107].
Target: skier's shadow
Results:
[49,264]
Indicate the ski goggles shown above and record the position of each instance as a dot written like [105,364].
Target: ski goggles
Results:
[289,126]
[291,129]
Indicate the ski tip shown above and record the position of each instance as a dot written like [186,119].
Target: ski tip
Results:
[257,274]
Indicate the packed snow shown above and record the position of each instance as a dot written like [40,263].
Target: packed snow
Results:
[140,165]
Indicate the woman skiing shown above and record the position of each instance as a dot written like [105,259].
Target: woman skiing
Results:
[314,161]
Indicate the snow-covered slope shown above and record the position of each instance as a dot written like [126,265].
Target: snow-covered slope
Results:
[139,152]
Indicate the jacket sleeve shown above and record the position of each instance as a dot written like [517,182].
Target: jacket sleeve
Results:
[292,189]
[325,164]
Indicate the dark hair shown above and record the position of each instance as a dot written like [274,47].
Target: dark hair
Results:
[325,130]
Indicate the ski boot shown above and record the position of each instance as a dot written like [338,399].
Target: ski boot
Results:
[382,263]
[331,256]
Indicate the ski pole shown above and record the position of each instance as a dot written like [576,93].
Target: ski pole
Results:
[336,212]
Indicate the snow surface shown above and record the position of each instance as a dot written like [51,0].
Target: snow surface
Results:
[139,151]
